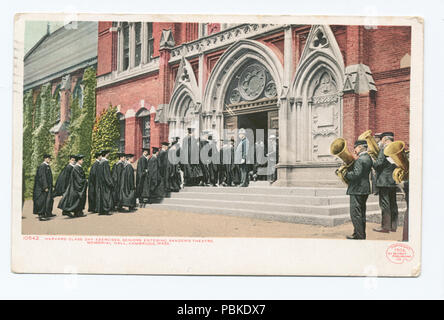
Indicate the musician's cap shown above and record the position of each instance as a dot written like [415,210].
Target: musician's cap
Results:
[378,135]
[360,143]
[79,156]
[387,134]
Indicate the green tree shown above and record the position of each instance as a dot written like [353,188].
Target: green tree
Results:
[106,132]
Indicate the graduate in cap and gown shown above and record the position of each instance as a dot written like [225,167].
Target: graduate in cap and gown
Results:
[173,169]
[105,186]
[127,187]
[42,196]
[189,158]
[155,185]
[141,178]
[92,183]
[116,174]
[74,198]
[165,168]
[213,166]
[64,176]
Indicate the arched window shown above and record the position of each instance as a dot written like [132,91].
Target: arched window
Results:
[78,92]
[121,141]
[144,123]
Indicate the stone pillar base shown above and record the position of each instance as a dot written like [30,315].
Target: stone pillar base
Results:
[308,175]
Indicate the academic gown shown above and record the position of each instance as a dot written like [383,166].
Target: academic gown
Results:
[74,198]
[43,200]
[92,187]
[63,180]
[154,181]
[116,175]
[213,166]
[127,187]
[105,182]
[141,174]
[190,160]
[164,168]
[173,173]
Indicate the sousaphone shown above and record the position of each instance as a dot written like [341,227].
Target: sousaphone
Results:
[339,149]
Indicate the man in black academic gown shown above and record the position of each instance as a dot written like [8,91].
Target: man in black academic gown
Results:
[106,184]
[93,185]
[141,176]
[241,158]
[42,195]
[189,158]
[165,168]
[64,176]
[358,177]
[127,188]
[155,185]
[203,159]
[74,198]
[214,157]
[116,174]
[384,168]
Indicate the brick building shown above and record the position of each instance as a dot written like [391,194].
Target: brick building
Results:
[310,83]
[60,58]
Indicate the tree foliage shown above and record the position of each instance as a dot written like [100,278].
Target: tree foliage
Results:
[106,132]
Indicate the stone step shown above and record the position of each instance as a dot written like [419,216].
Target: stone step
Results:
[269,198]
[291,217]
[264,205]
[301,191]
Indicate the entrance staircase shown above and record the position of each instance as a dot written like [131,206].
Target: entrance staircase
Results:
[305,205]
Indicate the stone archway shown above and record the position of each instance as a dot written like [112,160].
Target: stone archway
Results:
[259,73]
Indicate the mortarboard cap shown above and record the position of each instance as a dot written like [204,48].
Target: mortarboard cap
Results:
[47,156]
[128,155]
[165,143]
[105,152]
[155,149]
[79,156]
[97,154]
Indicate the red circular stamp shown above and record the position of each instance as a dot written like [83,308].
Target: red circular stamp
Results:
[399,253]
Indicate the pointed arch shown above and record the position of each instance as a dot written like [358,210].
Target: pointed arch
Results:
[230,62]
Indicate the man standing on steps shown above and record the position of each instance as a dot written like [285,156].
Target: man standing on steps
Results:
[155,186]
[384,167]
[174,178]
[141,177]
[64,177]
[204,161]
[106,184]
[359,189]
[42,195]
[213,166]
[189,158]
[93,195]
[74,198]
[164,168]
[116,174]
[241,157]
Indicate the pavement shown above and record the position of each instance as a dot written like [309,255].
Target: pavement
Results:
[152,222]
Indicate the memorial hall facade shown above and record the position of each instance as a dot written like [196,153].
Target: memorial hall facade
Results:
[310,83]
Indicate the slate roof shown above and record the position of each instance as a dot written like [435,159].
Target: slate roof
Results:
[61,52]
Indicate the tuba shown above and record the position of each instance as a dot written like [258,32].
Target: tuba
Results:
[396,151]
[373,149]
[339,148]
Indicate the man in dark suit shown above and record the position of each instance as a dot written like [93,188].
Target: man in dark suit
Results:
[384,167]
[359,189]
[241,158]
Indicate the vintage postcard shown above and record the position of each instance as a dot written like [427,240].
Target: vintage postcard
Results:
[219,145]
